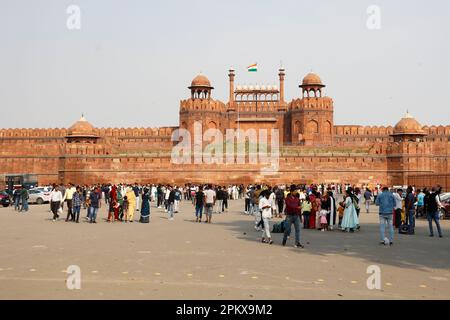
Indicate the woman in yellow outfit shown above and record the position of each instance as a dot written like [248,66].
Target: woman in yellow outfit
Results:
[131,204]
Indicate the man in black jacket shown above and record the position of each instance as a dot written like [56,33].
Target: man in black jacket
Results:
[432,206]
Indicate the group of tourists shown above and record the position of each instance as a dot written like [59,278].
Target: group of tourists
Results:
[124,200]
[400,211]
[314,206]
[20,199]
[301,204]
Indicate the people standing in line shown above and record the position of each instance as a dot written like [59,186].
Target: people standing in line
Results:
[210,201]
[293,216]
[145,207]
[24,196]
[350,220]
[68,196]
[265,205]
[432,205]
[398,208]
[386,202]
[77,200]
[367,199]
[55,202]
[199,203]
[410,210]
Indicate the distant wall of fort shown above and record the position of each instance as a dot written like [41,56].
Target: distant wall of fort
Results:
[312,147]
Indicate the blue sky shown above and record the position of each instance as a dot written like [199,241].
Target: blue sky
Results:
[132,61]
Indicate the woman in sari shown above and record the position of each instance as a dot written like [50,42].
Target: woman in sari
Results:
[350,220]
[145,208]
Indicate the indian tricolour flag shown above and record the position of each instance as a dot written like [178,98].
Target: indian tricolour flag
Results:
[252,68]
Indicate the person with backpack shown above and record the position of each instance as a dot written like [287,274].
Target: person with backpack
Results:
[432,204]
[293,216]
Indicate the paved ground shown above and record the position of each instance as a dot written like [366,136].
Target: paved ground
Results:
[182,259]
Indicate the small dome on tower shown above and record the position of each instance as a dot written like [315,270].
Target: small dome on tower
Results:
[201,81]
[408,125]
[81,128]
[312,79]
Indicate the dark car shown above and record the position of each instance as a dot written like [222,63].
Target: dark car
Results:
[5,200]
[445,200]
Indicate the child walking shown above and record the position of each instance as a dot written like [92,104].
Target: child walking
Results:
[323,220]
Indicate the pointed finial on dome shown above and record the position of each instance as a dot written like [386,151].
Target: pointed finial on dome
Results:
[408,115]
[82,117]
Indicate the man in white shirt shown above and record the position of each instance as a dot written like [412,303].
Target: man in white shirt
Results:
[265,205]
[398,207]
[210,200]
[166,199]
[55,201]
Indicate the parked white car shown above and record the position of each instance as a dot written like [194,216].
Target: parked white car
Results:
[38,195]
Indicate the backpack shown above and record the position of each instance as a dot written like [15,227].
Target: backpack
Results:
[279,227]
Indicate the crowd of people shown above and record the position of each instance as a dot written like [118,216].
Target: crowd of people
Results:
[324,207]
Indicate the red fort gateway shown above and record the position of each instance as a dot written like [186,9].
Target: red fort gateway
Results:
[312,147]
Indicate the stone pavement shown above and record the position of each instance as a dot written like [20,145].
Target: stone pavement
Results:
[182,259]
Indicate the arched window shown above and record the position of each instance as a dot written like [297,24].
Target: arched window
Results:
[312,126]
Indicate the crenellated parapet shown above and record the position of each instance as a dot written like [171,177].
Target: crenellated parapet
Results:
[202,105]
[355,130]
[32,133]
[313,103]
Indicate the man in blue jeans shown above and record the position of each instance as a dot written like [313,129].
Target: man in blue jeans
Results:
[432,205]
[386,203]
[293,216]
[95,204]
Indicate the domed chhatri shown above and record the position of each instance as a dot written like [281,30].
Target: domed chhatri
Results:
[201,87]
[82,128]
[312,79]
[408,125]
[201,81]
